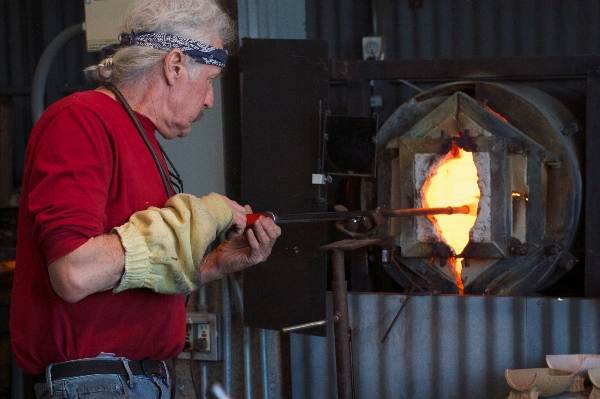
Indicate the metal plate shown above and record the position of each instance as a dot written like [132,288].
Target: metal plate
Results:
[284,89]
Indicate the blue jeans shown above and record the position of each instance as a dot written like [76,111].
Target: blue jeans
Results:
[103,386]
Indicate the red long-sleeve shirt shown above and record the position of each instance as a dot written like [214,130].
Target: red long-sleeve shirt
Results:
[87,170]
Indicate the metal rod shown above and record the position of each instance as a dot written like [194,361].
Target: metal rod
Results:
[202,303]
[263,360]
[398,314]
[247,364]
[412,283]
[374,17]
[204,376]
[339,291]
[226,334]
[237,291]
[304,326]
[331,216]
[202,308]
[38,86]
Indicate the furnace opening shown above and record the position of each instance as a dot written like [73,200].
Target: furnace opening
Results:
[454,183]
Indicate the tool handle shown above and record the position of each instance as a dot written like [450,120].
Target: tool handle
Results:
[253,217]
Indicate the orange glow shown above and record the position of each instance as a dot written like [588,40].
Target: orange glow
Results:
[454,183]
[514,194]
[497,114]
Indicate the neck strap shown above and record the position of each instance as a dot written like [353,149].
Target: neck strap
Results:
[173,185]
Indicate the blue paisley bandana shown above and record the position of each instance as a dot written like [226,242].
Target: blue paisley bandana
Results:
[200,52]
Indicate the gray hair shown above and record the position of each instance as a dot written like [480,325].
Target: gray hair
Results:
[200,20]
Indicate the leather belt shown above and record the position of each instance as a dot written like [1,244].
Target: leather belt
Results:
[149,368]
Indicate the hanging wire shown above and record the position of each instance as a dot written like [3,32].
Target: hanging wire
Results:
[174,176]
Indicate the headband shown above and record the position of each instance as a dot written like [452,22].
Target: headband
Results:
[200,52]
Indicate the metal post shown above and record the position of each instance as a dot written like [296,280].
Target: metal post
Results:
[247,363]
[341,328]
[264,363]
[226,335]
[203,308]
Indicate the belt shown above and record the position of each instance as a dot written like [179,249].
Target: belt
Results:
[149,368]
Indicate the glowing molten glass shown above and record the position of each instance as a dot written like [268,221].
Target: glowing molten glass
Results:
[454,183]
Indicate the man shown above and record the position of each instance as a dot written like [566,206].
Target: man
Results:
[106,250]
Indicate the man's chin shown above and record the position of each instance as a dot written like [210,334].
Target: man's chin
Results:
[200,115]
[184,133]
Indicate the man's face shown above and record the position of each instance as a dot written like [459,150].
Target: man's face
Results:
[190,97]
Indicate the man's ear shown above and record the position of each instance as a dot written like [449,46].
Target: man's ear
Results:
[173,66]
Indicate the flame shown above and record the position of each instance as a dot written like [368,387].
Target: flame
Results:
[454,183]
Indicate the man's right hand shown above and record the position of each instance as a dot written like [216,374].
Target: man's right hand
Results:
[239,218]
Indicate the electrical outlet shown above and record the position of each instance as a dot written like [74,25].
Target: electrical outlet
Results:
[203,338]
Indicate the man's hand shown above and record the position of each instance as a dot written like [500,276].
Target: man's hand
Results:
[239,218]
[242,251]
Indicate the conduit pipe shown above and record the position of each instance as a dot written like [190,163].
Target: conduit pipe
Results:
[226,334]
[203,308]
[38,86]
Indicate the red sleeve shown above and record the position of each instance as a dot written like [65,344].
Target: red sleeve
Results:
[71,170]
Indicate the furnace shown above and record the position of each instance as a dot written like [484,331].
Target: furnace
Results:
[518,168]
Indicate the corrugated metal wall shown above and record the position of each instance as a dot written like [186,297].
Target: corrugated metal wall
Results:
[458,28]
[449,347]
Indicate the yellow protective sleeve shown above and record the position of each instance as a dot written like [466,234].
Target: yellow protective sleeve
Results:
[165,246]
